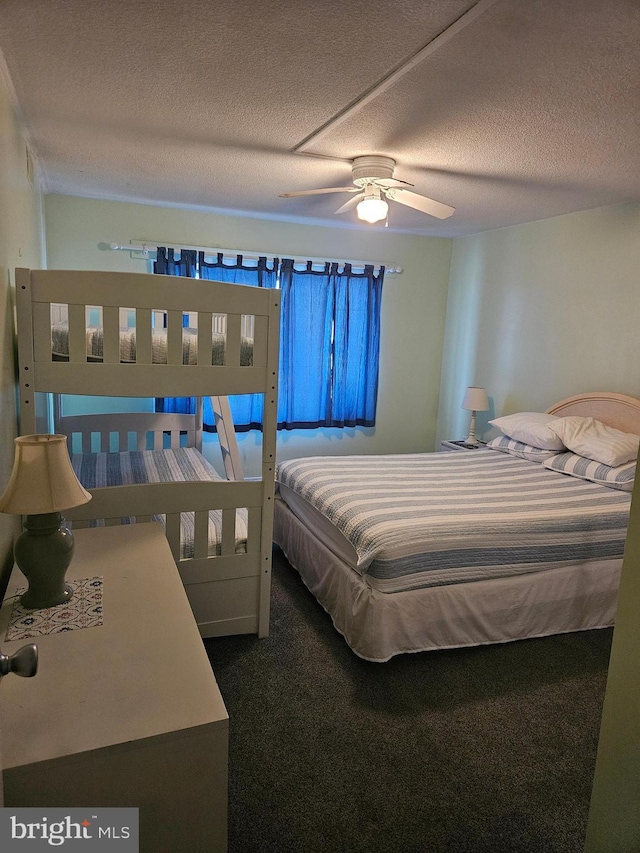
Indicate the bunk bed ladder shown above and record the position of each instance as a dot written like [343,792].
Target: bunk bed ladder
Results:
[227,438]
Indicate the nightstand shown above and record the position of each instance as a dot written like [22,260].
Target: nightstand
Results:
[461,445]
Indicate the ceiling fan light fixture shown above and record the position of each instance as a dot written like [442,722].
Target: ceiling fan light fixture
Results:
[373,207]
[373,184]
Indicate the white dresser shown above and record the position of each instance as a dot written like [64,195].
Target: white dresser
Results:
[127,713]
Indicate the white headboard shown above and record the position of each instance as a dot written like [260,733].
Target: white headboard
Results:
[615,410]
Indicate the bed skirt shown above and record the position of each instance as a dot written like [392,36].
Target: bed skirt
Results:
[379,625]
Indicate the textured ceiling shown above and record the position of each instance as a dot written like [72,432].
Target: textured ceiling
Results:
[508,110]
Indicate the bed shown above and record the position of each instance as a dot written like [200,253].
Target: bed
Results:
[144,465]
[429,551]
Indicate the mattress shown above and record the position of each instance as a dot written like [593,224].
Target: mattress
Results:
[377,626]
[97,470]
[94,337]
[421,520]
[320,526]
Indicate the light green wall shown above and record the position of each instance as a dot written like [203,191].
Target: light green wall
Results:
[79,232]
[20,245]
[542,311]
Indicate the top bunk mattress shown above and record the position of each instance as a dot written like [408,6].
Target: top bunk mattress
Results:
[94,345]
[430,519]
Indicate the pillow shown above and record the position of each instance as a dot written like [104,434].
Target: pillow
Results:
[621,477]
[593,439]
[531,428]
[519,448]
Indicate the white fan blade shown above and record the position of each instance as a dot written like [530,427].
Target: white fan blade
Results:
[349,205]
[422,203]
[392,182]
[318,192]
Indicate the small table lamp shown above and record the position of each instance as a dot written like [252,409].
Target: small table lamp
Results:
[42,483]
[475,400]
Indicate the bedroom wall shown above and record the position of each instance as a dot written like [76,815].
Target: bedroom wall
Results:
[541,311]
[79,232]
[20,245]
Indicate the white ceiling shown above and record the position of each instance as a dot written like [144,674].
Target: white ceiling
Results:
[508,110]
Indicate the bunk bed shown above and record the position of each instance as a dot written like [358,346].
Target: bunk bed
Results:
[147,465]
[420,552]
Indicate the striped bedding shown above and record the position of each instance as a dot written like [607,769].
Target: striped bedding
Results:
[431,519]
[94,336]
[96,470]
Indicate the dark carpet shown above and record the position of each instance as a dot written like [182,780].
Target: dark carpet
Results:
[484,750]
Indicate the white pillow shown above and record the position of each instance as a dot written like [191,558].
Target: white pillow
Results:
[620,477]
[593,439]
[518,448]
[530,428]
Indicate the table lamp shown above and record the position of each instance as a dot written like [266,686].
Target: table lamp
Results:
[43,483]
[475,400]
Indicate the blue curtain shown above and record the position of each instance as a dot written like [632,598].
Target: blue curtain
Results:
[166,262]
[258,274]
[330,342]
[354,391]
[246,409]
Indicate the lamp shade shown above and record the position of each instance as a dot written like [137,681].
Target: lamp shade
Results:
[42,479]
[475,399]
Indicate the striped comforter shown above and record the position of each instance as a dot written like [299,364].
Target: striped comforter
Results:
[443,518]
[94,336]
[96,470]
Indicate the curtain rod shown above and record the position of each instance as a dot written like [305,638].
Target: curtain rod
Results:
[146,248]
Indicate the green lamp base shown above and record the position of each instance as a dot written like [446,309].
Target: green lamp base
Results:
[43,552]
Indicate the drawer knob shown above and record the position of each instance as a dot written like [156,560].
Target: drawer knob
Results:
[24,662]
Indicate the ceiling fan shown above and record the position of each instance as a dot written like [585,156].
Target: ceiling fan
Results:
[374,183]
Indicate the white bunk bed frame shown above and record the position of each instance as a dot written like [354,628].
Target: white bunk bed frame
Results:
[229,592]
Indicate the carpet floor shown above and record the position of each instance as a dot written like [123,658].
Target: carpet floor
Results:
[483,750]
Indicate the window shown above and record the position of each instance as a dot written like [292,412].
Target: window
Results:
[329,338]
